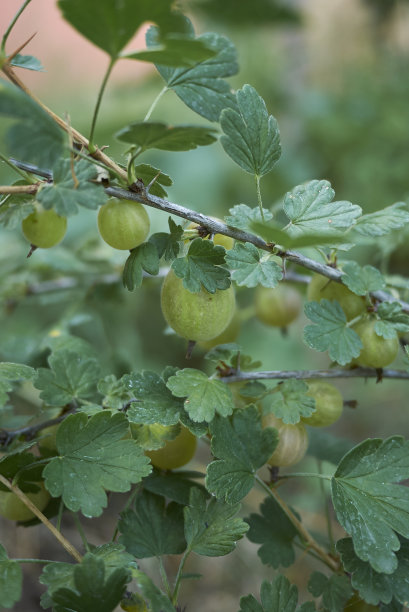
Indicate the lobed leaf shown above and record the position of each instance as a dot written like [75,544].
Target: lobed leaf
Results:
[290,402]
[72,376]
[310,209]
[251,268]
[330,331]
[71,188]
[174,51]
[374,587]
[212,529]
[142,258]
[146,173]
[10,373]
[154,402]
[369,507]
[362,280]
[202,87]
[202,266]
[251,136]
[94,458]
[243,217]
[241,447]
[205,397]
[335,590]
[382,221]
[11,579]
[155,135]
[275,532]
[277,596]
[168,244]
[392,320]
[152,529]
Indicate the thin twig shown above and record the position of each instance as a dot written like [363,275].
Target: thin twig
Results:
[13,189]
[311,374]
[27,502]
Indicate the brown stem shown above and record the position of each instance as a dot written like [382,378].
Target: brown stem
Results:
[78,137]
[23,497]
[12,189]
[303,533]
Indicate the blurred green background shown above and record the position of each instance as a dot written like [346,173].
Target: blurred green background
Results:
[335,75]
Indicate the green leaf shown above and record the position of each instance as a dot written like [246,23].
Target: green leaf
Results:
[92,589]
[174,51]
[392,320]
[152,529]
[310,209]
[27,61]
[94,458]
[114,391]
[13,209]
[205,396]
[175,486]
[369,507]
[159,602]
[383,221]
[362,280]
[168,245]
[155,135]
[58,575]
[35,137]
[330,331]
[110,24]
[11,579]
[272,233]
[12,372]
[251,267]
[154,402]
[72,376]
[372,586]
[146,173]
[243,217]
[277,596]
[242,447]
[202,267]
[65,195]
[212,529]
[202,87]
[144,257]
[251,136]
[335,590]
[290,402]
[327,447]
[152,437]
[275,532]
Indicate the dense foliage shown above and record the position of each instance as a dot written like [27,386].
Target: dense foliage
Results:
[95,427]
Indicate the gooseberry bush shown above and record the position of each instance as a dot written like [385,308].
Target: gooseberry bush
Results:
[93,432]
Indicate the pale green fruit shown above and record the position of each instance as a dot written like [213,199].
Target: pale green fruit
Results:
[176,452]
[123,224]
[320,288]
[13,508]
[328,404]
[277,307]
[49,442]
[377,352]
[44,228]
[196,316]
[228,335]
[292,441]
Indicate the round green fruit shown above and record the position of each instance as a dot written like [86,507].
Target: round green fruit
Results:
[377,352]
[277,307]
[328,404]
[198,316]
[123,224]
[49,441]
[320,288]
[44,228]
[176,452]
[13,508]
[228,335]
[292,441]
